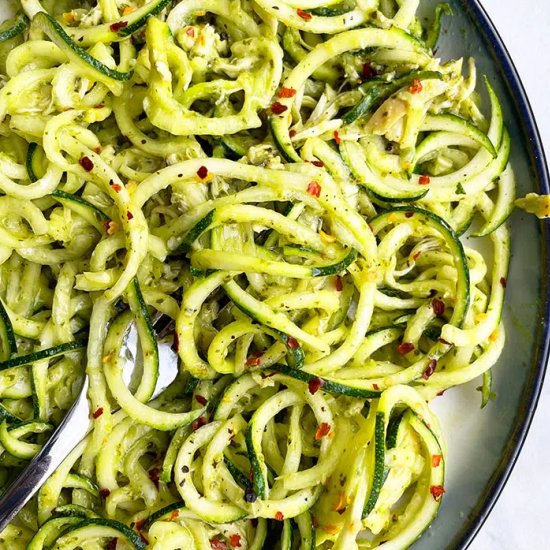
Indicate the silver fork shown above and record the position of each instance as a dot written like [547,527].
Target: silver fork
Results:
[64,440]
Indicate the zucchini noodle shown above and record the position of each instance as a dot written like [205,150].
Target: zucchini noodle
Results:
[287,183]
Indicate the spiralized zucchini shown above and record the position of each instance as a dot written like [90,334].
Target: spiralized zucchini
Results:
[287,182]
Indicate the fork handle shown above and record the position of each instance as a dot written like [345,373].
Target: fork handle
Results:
[52,454]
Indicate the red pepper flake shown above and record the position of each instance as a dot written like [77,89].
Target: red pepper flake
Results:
[217,544]
[416,255]
[287,92]
[430,370]
[99,148]
[202,172]
[116,187]
[130,216]
[98,413]
[139,524]
[368,71]
[304,14]
[190,31]
[318,163]
[315,384]
[104,493]
[154,476]
[314,189]
[253,361]
[503,282]
[404,348]
[424,180]
[338,284]
[201,399]
[337,137]
[438,307]
[174,515]
[201,421]
[416,87]
[292,133]
[409,214]
[375,387]
[441,393]
[437,491]
[292,343]
[278,108]
[235,540]
[119,25]
[436,460]
[315,522]
[279,516]
[86,163]
[322,430]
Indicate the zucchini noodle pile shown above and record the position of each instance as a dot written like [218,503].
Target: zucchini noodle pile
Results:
[286,182]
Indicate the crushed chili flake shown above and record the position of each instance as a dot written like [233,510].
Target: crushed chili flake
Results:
[287,92]
[235,540]
[430,370]
[190,32]
[278,108]
[174,515]
[314,189]
[322,430]
[409,214]
[130,216]
[315,522]
[440,393]
[503,282]
[119,25]
[201,399]
[438,307]
[340,503]
[202,172]
[99,148]
[86,163]
[368,71]
[437,491]
[416,86]
[416,255]
[217,544]
[292,343]
[304,14]
[338,284]
[315,384]
[253,361]
[318,163]
[424,180]
[116,187]
[104,493]
[154,476]
[292,133]
[337,137]
[139,524]
[279,516]
[201,421]
[404,348]
[375,387]
[436,460]
[98,412]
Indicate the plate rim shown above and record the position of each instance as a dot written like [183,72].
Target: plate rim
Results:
[534,383]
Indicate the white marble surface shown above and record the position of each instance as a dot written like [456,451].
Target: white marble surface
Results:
[520,519]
